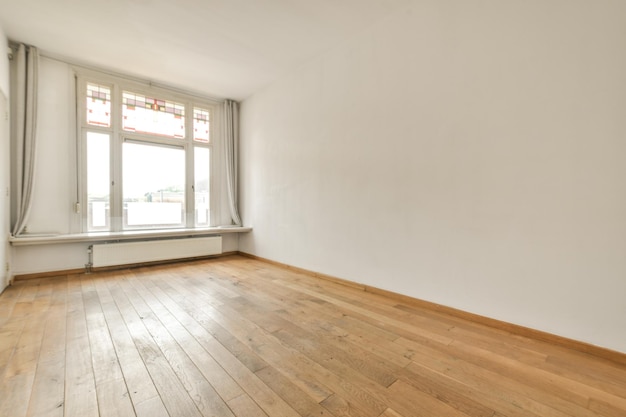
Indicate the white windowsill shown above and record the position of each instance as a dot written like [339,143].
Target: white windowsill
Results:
[46,239]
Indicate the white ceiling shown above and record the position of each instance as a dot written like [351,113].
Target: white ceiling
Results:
[222,48]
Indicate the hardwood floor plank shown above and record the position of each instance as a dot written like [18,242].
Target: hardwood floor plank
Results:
[152,407]
[459,393]
[606,409]
[291,394]
[586,371]
[47,397]
[80,386]
[16,391]
[104,358]
[340,407]
[244,406]
[391,413]
[113,399]
[10,333]
[450,392]
[411,401]
[9,297]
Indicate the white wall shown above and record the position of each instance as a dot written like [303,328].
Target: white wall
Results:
[4,163]
[466,153]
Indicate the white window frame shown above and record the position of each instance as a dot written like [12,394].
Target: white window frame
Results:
[118,136]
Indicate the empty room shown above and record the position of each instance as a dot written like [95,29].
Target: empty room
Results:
[289,208]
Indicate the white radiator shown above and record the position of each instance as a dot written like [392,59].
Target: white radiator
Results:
[125,253]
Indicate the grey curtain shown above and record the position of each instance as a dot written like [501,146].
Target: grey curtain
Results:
[27,64]
[231,152]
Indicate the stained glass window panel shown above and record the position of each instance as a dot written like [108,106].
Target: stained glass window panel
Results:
[98,105]
[152,115]
[200,125]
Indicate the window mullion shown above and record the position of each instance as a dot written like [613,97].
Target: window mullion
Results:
[189,192]
[116,183]
[82,177]
[189,167]
[116,162]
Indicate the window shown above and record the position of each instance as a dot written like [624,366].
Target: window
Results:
[153,183]
[146,165]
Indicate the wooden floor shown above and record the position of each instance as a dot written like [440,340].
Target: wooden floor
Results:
[240,337]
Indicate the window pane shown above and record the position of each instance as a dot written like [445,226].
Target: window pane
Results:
[200,125]
[98,181]
[154,185]
[151,115]
[98,105]
[202,159]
